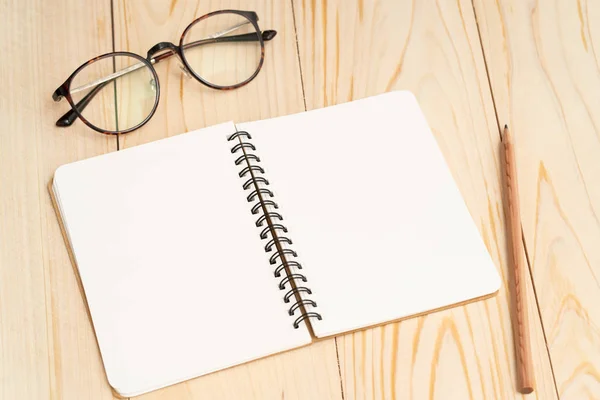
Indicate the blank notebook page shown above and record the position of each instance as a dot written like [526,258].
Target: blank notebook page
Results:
[375,216]
[176,278]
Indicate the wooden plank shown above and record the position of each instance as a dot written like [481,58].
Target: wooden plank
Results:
[543,64]
[307,373]
[47,345]
[353,49]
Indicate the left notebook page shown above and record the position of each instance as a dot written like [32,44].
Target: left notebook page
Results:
[171,262]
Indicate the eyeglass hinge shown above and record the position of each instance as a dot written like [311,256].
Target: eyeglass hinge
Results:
[59,94]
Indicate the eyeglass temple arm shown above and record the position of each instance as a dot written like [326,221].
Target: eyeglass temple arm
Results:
[70,116]
[247,37]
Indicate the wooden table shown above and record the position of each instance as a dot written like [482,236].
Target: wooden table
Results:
[474,66]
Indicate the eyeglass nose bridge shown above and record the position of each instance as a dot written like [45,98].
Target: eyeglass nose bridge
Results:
[174,50]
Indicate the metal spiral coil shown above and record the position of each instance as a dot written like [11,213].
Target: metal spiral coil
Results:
[297,305]
[270,214]
[282,267]
[273,227]
[305,316]
[292,293]
[251,181]
[256,208]
[280,254]
[289,279]
[245,157]
[250,169]
[259,194]
[280,239]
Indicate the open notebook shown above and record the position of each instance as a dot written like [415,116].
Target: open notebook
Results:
[213,248]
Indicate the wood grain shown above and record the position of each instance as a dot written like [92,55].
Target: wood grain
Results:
[307,373]
[350,50]
[543,61]
[47,345]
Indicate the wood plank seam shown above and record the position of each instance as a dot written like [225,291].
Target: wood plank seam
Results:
[337,352]
[337,356]
[537,303]
[112,33]
[487,70]
[303,92]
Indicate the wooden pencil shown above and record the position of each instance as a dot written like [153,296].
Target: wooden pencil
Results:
[522,339]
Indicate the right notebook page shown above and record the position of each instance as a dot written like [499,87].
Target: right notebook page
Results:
[377,221]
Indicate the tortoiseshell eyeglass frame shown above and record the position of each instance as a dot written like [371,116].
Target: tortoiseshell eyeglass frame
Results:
[166,50]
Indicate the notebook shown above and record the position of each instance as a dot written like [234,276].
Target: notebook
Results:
[227,244]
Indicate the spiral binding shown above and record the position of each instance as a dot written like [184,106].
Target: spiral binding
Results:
[260,194]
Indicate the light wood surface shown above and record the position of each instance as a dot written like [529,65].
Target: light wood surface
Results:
[47,345]
[350,50]
[543,60]
[543,70]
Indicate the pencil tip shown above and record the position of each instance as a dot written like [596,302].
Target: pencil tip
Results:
[505,126]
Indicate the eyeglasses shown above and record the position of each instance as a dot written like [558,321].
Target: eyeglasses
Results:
[118,92]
